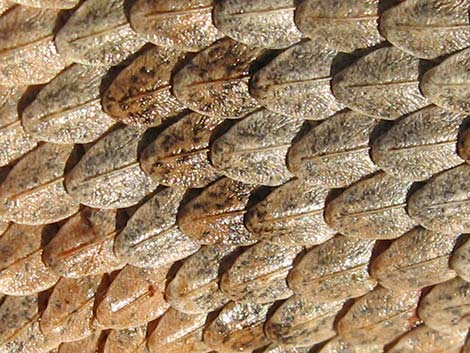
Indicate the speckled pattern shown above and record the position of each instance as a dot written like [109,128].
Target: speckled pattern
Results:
[297,83]
[98,33]
[254,150]
[181,24]
[68,109]
[215,81]
[288,215]
[446,84]
[460,261]
[54,4]
[373,208]
[141,94]
[343,25]
[428,28]
[179,156]
[334,270]
[420,145]
[130,340]
[151,237]
[335,153]
[259,23]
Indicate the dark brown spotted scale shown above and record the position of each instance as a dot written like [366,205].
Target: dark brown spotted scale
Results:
[109,175]
[297,83]
[20,332]
[84,244]
[428,28]
[134,297]
[22,271]
[238,328]
[254,150]
[141,93]
[179,156]
[180,24]
[276,348]
[373,208]
[195,287]
[424,339]
[335,153]
[259,274]
[33,192]
[301,322]
[418,259]
[460,261]
[419,145]
[98,33]
[215,81]
[53,4]
[442,204]
[448,84]
[338,345]
[292,214]
[68,109]
[28,53]
[216,215]
[128,340]
[14,140]
[90,344]
[446,308]
[379,317]
[382,84]
[341,25]
[68,315]
[246,22]
[151,237]
[335,270]
[177,332]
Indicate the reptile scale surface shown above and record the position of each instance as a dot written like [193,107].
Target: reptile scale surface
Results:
[234,176]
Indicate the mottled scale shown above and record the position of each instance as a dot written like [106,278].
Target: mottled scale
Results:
[135,297]
[180,24]
[141,93]
[442,204]
[195,287]
[460,261]
[292,214]
[341,25]
[446,308]
[418,259]
[301,322]
[238,328]
[128,340]
[216,214]
[69,312]
[151,237]
[28,55]
[53,4]
[20,332]
[335,153]
[254,150]
[179,156]
[259,274]
[14,140]
[98,33]
[215,81]
[68,109]
[420,145]
[338,345]
[247,22]
[335,270]
[177,332]
[297,83]
[109,175]
[424,339]
[90,344]
[373,208]
[379,317]
[84,245]
[276,348]
[33,192]
[428,28]
[382,84]
[22,271]
[448,84]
